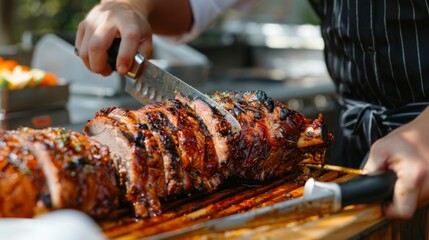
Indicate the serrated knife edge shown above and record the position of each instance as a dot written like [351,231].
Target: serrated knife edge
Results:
[152,83]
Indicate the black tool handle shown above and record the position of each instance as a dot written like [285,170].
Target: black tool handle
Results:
[368,188]
[112,53]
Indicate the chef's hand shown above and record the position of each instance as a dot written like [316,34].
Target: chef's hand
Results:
[108,20]
[405,151]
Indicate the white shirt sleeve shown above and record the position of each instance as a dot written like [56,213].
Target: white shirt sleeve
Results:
[205,12]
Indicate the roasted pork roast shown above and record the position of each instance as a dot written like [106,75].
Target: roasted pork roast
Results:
[146,156]
[43,170]
[184,145]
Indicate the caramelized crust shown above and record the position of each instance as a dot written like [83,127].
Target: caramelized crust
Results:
[52,169]
[150,155]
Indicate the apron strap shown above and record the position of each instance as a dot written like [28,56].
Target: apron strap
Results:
[370,122]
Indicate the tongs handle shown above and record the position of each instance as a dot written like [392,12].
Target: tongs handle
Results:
[369,188]
[112,55]
[362,189]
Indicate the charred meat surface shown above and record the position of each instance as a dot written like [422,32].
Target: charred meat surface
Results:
[144,157]
[273,137]
[23,187]
[170,148]
[54,169]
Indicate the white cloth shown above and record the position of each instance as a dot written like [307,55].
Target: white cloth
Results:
[206,11]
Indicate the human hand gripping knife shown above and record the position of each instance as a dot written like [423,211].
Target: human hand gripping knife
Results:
[147,83]
[318,198]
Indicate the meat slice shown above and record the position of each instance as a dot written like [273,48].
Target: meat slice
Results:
[78,171]
[197,144]
[155,165]
[223,136]
[198,160]
[165,134]
[146,176]
[23,188]
[130,160]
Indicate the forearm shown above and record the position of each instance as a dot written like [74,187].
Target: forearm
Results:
[166,17]
[424,115]
[174,19]
[135,21]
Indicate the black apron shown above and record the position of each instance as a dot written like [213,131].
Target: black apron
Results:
[362,124]
[377,54]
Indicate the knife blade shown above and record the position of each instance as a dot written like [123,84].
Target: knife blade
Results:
[319,198]
[147,83]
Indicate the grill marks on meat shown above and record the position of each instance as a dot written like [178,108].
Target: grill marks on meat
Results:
[177,150]
[182,145]
[218,127]
[22,183]
[270,136]
[198,161]
[65,169]
[165,135]
[150,155]
[118,128]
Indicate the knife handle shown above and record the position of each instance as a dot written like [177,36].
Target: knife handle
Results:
[369,188]
[137,65]
[112,53]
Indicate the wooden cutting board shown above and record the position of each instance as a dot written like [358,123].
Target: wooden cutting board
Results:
[354,222]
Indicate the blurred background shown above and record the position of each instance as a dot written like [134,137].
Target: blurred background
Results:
[275,46]
[22,22]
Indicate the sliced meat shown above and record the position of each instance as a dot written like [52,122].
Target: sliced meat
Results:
[130,160]
[23,188]
[152,176]
[165,135]
[219,128]
[179,146]
[194,145]
[79,171]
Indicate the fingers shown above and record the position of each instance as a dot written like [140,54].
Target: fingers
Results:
[130,40]
[145,45]
[135,38]
[378,157]
[92,46]
[81,43]
[393,152]
[98,44]
[404,202]
[411,174]
[104,23]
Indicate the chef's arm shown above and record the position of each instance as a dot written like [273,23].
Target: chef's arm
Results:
[166,17]
[134,21]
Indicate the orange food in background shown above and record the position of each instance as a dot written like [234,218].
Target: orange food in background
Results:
[8,64]
[49,80]
[15,76]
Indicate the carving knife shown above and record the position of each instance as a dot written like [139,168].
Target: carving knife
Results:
[147,83]
[318,198]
